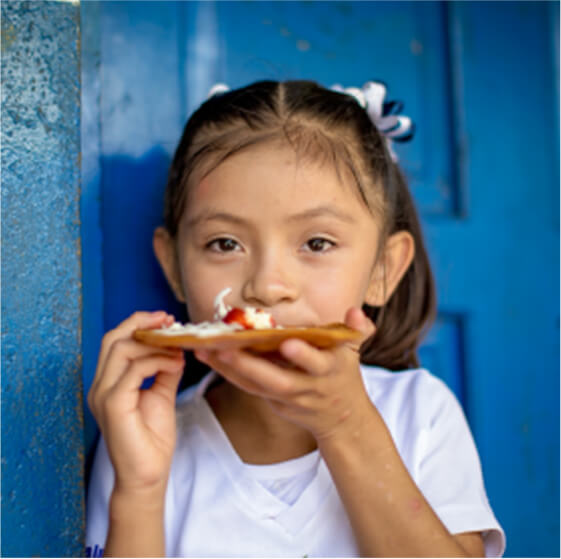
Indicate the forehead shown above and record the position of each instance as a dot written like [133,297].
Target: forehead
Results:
[274,174]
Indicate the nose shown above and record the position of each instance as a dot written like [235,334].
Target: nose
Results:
[270,281]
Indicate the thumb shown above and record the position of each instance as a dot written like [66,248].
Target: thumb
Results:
[356,319]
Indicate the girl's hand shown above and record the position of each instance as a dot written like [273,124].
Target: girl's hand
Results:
[320,390]
[138,425]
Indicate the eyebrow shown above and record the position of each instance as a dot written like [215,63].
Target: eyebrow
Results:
[323,211]
[320,211]
[214,216]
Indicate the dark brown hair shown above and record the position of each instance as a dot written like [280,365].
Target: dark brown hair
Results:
[326,126]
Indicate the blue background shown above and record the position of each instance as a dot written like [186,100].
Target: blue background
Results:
[481,81]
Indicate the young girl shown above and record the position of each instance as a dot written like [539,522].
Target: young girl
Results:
[289,194]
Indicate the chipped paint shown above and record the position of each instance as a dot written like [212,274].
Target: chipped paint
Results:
[8,35]
[302,45]
[42,425]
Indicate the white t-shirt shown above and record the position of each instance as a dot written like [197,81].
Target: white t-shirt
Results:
[219,506]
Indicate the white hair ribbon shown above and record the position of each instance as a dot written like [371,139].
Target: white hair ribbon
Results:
[371,98]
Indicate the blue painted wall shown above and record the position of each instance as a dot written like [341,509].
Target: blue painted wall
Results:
[42,426]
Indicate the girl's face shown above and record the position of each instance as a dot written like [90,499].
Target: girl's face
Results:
[285,234]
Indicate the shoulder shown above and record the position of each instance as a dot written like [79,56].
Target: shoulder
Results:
[416,406]
[411,391]
[378,377]
[433,437]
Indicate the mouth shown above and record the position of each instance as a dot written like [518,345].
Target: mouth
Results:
[257,316]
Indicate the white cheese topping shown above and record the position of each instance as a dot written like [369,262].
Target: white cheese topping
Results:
[258,318]
[203,329]
[220,308]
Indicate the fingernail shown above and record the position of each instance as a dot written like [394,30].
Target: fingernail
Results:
[289,349]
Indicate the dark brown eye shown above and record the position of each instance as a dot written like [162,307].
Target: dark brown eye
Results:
[318,244]
[224,244]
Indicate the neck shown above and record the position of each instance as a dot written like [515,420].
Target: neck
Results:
[257,433]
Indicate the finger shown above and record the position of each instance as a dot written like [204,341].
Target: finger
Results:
[121,353]
[306,357]
[127,389]
[97,400]
[271,380]
[138,320]
[168,384]
[356,319]
[209,358]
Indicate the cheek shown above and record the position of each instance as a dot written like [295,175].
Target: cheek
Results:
[203,281]
[199,304]
[200,288]
[332,294]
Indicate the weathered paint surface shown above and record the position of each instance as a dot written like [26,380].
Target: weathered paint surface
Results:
[42,425]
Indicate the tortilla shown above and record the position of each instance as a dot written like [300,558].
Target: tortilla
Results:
[262,340]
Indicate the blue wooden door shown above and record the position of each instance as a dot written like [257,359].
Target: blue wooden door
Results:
[479,80]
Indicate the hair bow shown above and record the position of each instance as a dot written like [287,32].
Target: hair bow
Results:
[383,114]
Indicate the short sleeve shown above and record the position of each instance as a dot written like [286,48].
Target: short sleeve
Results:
[449,471]
[99,493]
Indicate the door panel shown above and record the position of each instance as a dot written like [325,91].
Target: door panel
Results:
[478,79]
[347,43]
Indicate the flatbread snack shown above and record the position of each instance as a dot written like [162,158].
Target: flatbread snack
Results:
[259,340]
[249,327]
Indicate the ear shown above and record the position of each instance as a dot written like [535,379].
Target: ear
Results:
[390,268]
[164,249]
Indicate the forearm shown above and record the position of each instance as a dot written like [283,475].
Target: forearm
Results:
[136,526]
[388,513]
